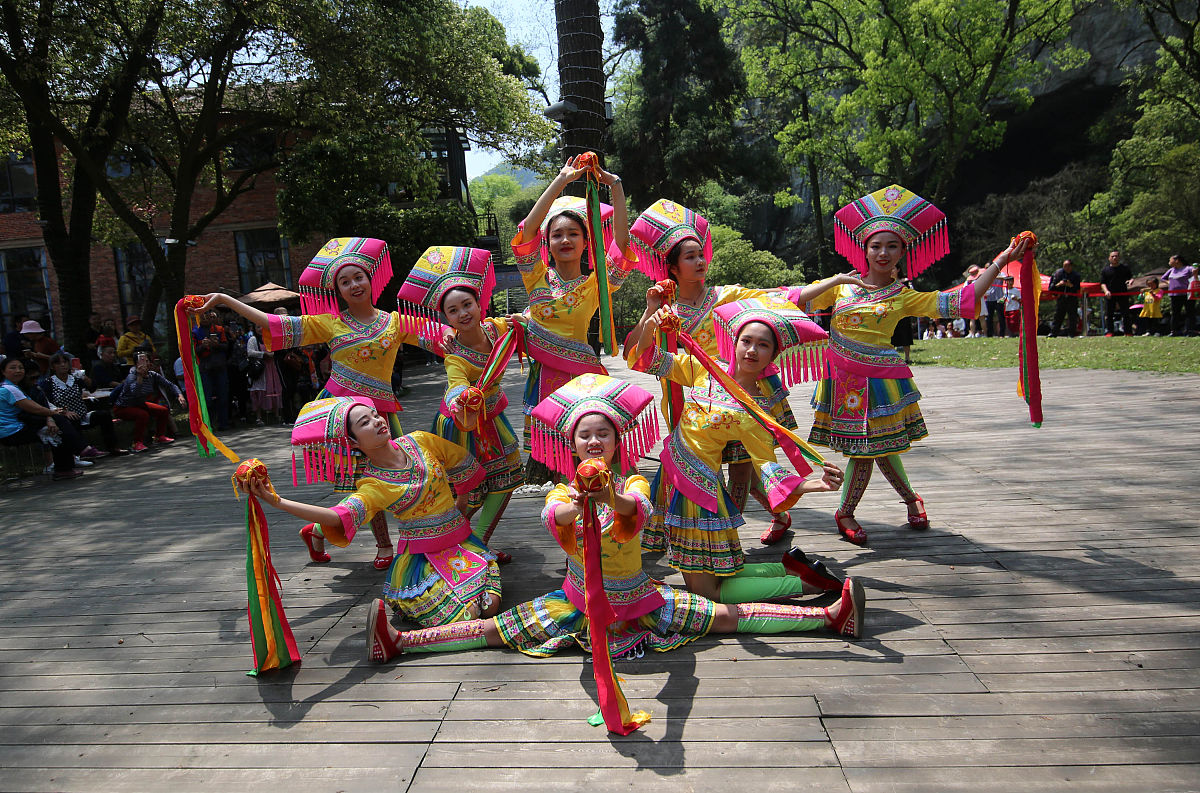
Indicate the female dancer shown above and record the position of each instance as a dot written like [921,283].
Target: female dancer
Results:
[722,404]
[866,406]
[562,298]
[441,573]
[595,416]
[674,242]
[457,283]
[339,288]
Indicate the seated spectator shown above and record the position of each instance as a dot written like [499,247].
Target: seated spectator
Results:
[64,388]
[107,373]
[91,335]
[131,402]
[108,336]
[23,420]
[133,341]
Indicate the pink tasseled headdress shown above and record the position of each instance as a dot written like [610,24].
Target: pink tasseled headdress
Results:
[624,404]
[801,342]
[440,269]
[318,282]
[320,432]
[920,224]
[660,228]
[576,208]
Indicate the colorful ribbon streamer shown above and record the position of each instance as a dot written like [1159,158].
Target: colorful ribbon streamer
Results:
[207,444]
[1029,385]
[797,450]
[269,629]
[589,162]
[667,341]
[591,476]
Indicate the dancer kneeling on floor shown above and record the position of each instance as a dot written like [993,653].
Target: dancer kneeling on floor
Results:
[724,401]
[598,417]
[441,573]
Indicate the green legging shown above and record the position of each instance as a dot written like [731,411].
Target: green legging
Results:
[858,475]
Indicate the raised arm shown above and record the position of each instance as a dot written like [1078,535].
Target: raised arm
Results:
[218,299]
[1014,252]
[533,221]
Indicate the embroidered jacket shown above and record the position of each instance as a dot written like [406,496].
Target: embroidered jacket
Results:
[420,496]
[630,591]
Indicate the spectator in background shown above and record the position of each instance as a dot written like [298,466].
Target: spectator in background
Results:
[1194,296]
[133,341]
[1066,282]
[993,303]
[1150,318]
[290,364]
[106,372]
[23,420]
[1177,278]
[39,346]
[1114,281]
[1012,305]
[132,402]
[14,342]
[92,333]
[266,388]
[64,388]
[974,327]
[177,373]
[212,359]
[107,337]
[239,370]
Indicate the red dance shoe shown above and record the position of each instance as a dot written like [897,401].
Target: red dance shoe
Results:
[383,641]
[779,525]
[502,557]
[796,563]
[383,562]
[851,616]
[920,521]
[318,557]
[856,536]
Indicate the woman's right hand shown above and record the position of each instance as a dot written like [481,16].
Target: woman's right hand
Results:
[656,297]
[211,301]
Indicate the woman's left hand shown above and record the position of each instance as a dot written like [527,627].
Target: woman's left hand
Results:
[606,177]
[182,401]
[831,478]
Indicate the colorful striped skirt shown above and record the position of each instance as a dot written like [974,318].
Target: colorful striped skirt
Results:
[546,624]
[416,589]
[696,540]
[892,420]
[497,450]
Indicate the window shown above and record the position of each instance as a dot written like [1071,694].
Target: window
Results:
[25,286]
[262,256]
[18,187]
[251,151]
[135,271]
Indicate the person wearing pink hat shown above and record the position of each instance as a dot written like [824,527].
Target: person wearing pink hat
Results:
[338,290]
[866,403]
[41,346]
[549,249]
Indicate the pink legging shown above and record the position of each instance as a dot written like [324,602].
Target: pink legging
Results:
[140,416]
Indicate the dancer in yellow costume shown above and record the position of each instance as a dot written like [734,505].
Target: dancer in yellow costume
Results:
[549,249]
[441,573]
[457,283]
[866,405]
[339,288]
[675,243]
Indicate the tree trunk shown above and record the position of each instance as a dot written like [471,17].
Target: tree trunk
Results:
[814,188]
[581,76]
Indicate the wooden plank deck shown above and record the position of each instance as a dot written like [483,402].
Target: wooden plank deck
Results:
[1043,635]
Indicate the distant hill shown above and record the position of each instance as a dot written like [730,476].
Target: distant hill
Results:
[524,176]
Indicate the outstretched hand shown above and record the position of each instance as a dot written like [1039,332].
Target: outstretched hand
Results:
[211,300]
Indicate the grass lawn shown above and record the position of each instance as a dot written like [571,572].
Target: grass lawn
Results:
[1137,353]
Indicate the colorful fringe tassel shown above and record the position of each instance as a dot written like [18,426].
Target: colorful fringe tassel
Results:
[614,708]
[207,444]
[271,638]
[1029,386]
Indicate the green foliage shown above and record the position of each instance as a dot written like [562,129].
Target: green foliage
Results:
[1093,352]
[895,90]
[676,124]
[1152,204]
[736,261]
[486,190]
